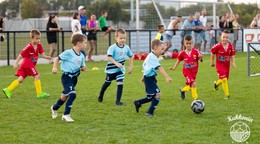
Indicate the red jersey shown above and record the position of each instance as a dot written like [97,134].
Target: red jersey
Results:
[30,55]
[223,58]
[190,60]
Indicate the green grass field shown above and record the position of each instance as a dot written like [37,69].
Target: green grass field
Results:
[26,119]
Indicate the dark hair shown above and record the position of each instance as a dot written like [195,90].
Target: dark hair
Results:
[179,16]
[226,32]
[51,17]
[75,38]
[103,12]
[74,15]
[188,37]
[156,42]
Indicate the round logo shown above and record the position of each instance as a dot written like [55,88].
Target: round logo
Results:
[239,132]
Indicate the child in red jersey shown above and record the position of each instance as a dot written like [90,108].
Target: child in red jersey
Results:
[224,51]
[190,56]
[27,67]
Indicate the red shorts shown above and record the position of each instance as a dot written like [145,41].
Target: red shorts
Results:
[223,74]
[223,71]
[24,72]
[190,78]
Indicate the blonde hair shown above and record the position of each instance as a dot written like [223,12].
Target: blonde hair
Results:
[155,43]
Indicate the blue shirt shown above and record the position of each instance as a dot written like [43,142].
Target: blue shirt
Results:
[189,24]
[71,61]
[150,65]
[83,20]
[198,23]
[119,54]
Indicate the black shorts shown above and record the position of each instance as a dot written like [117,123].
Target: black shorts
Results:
[92,36]
[51,40]
[105,28]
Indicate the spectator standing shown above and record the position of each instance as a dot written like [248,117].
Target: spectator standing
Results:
[171,30]
[52,28]
[2,24]
[187,28]
[236,28]
[82,19]
[221,24]
[228,26]
[93,27]
[197,31]
[212,36]
[203,20]
[2,27]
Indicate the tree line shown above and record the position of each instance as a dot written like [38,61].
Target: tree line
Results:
[118,9]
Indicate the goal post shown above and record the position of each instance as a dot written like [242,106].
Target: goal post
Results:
[253,56]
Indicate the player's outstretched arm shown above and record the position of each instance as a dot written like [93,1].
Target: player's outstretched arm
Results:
[212,60]
[175,66]
[163,72]
[84,68]
[131,63]
[55,63]
[233,61]
[15,66]
[45,56]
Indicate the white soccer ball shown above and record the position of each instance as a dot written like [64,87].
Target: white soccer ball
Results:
[197,106]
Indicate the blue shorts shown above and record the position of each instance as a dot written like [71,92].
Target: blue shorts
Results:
[118,76]
[151,87]
[213,40]
[197,37]
[69,84]
[203,35]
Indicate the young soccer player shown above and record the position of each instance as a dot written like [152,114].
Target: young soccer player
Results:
[224,51]
[103,23]
[29,57]
[115,69]
[161,30]
[151,66]
[73,61]
[190,56]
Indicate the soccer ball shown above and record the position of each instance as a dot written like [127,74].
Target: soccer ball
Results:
[197,106]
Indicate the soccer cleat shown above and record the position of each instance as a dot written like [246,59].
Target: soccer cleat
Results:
[137,106]
[100,99]
[7,93]
[54,113]
[227,97]
[215,86]
[149,115]
[182,94]
[43,95]
[67,118]
[120,103]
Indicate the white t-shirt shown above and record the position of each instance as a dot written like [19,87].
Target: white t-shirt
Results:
[203,20]
[170,28]
[258,23]
[75,26]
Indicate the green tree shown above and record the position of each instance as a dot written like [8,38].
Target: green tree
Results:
[116,13]
[9,8]
[32,8]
